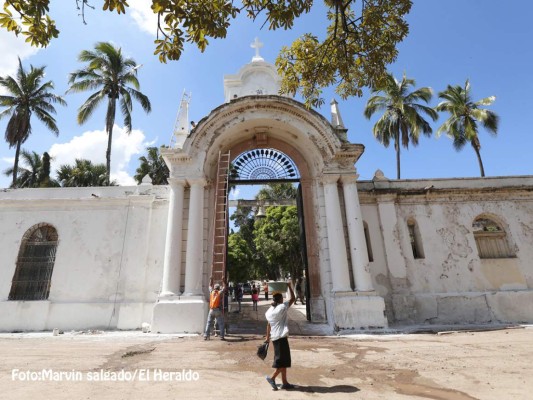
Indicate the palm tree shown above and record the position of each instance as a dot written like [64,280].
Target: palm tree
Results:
[465,115]
[27,95]
[110,73]
[27,175]
[401,119]
[35,171]
[154,166]
[83,174]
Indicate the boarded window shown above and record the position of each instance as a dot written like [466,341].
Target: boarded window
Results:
[491,239]
[35,263]
[415,239]
[368,244]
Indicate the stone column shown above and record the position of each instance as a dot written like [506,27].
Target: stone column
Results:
[195,239]
[172,262]
[356,234]
[337,246]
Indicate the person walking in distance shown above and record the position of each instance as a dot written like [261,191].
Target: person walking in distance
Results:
[216,304]
[299,291]
[255,297]
[238,296]
[278,331]
[265,289]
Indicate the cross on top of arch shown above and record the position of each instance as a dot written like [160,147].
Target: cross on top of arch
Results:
[257,45]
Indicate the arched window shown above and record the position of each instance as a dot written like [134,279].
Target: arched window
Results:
[35,263]
[415,239]
[491,239]
[368,244]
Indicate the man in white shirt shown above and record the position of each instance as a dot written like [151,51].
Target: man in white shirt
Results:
[278,331]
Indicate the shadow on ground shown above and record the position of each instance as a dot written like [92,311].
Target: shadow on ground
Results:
[326,389]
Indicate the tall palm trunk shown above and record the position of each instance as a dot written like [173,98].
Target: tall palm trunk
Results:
[110,121]
[397,146]
[16,164]
[478,154]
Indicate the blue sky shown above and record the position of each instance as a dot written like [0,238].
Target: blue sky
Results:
[486,41]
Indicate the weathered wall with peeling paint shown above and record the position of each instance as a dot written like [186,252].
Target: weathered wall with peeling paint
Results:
[451,284]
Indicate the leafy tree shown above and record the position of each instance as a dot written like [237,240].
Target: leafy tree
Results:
[34,22]
[110,73]
[240,258]
[465,116]
[401,121]
[154,166]
[27,95]
[277,191]
[83,174]
[277,237]
[264,262]
[35,171]
[359,43]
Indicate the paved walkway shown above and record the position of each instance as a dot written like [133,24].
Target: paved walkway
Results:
[249,321]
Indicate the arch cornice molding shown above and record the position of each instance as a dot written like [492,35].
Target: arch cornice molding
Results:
[224,121]
[175,156]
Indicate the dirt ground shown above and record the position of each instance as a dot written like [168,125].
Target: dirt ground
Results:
[132,365]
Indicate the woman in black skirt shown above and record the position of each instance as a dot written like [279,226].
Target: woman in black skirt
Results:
[278,331]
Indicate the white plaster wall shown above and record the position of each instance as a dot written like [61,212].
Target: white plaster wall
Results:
[108,262]
[381,279]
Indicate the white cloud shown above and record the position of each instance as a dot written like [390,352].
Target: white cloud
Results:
[92,145]
[144,17]
[8,160]
[12,47]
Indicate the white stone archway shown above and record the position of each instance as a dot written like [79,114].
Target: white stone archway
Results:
[326,164]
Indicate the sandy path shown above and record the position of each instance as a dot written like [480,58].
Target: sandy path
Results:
[457,366]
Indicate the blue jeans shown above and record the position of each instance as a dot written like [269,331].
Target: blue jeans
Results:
[215,313]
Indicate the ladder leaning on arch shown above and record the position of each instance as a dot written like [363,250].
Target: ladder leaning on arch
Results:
[220,231]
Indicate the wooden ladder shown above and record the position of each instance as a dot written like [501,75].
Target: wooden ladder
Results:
[220,231]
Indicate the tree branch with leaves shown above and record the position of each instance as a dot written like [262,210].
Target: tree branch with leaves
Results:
[358,45]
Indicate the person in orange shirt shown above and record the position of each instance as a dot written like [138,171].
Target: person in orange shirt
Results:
[216,304]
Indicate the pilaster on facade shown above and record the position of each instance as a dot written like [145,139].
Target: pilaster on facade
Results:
[172,261]
[194,259]
[338,258]
[356,235]
[388,219]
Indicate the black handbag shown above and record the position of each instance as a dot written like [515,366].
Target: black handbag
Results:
[262,350]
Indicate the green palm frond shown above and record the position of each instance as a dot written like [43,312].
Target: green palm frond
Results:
[465,117]
[87,108]
[141,99]
[108,72]
[402,108]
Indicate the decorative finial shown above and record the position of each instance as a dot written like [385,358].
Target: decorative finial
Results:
[336,119]
[257,45]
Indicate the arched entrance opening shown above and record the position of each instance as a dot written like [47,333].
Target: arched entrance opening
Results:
[266,235]
[267,161]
